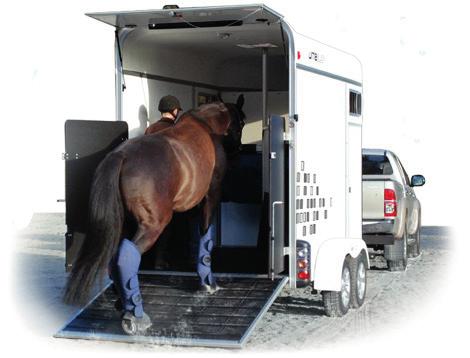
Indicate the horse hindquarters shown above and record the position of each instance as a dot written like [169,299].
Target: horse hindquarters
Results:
[106,216]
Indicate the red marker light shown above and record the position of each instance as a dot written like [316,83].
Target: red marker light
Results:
[303,275]
[298,55]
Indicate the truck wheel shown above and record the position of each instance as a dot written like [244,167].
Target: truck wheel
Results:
[397,254]
[358,280]
[337,303]
[415,249]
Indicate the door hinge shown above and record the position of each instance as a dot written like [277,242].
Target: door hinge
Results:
[286,250]
[68,156]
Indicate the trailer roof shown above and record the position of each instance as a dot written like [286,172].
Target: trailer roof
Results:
[190,17]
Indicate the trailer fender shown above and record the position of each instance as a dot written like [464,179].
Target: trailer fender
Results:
[329,261]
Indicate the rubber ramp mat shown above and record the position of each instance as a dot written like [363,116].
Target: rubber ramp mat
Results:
[180,314]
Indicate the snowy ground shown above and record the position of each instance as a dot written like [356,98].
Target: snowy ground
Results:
[295,320]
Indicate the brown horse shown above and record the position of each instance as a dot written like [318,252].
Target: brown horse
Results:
[149,178]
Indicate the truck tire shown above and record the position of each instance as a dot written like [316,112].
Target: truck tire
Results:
[358,280]
[397,254]
[337,303]
[415,248]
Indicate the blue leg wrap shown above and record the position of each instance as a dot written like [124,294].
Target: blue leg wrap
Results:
[114,276]
[124,275]
[206,243]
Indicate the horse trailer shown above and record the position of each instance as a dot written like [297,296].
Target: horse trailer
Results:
[291,207]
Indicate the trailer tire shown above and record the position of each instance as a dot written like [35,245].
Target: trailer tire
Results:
[358,280]
[397,254]
[336,303]
[415,249]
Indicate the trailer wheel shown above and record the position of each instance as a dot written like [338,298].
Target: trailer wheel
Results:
[397,254]
[358,280]
[415,249]
[337,303]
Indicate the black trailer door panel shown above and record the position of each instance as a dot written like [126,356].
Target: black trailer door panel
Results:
[86,144]
[274,143]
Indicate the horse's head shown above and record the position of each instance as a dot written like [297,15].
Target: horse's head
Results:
[233,140]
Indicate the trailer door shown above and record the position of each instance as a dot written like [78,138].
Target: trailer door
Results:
[189,18]
[86,144]
[274,171]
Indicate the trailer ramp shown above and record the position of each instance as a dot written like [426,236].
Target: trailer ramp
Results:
[180,314]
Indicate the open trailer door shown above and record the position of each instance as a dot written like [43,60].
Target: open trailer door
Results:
[274,143]
[180,314]
[86,144]
[189,18]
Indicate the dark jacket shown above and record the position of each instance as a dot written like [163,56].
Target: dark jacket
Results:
[163,123]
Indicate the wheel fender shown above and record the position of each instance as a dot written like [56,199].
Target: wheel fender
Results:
[413,219]
[329,261]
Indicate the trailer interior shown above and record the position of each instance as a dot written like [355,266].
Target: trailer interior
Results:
[199,63]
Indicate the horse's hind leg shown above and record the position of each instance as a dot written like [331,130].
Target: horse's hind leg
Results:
[125,268]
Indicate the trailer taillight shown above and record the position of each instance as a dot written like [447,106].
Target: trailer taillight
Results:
[303,263]
[390,203]
[298,55]
[304,276]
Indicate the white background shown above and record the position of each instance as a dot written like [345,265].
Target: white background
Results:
[58,64]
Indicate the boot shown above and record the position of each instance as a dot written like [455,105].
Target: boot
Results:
[134,319]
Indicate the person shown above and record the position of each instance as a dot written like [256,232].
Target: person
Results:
[201,244]
[158,258]
[169,107]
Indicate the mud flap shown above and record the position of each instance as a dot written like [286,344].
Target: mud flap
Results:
[180,314]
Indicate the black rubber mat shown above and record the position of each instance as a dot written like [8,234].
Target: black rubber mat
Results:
[180,314]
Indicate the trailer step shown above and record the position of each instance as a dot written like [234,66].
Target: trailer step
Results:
[180,314]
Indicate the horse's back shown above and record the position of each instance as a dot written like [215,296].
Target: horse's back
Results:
[174,165]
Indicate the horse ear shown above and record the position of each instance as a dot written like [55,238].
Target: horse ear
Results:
[240,101]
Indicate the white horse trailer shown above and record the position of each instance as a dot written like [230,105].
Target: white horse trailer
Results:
[291,212]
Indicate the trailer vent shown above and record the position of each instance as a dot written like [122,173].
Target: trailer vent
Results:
[355,103]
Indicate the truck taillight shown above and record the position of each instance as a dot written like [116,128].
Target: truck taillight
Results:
[303,263]
[390,203]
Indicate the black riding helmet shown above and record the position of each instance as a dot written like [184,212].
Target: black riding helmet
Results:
[168,104]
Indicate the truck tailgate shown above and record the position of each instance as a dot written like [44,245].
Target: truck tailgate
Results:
[373,199]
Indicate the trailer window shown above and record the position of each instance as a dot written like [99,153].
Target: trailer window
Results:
[376,165]
[355,103]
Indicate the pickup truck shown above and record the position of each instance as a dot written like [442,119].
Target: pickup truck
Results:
[391,212]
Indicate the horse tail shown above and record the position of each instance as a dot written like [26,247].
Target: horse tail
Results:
[105,222]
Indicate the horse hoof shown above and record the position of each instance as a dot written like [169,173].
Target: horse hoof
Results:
[133,325]
[209,289]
